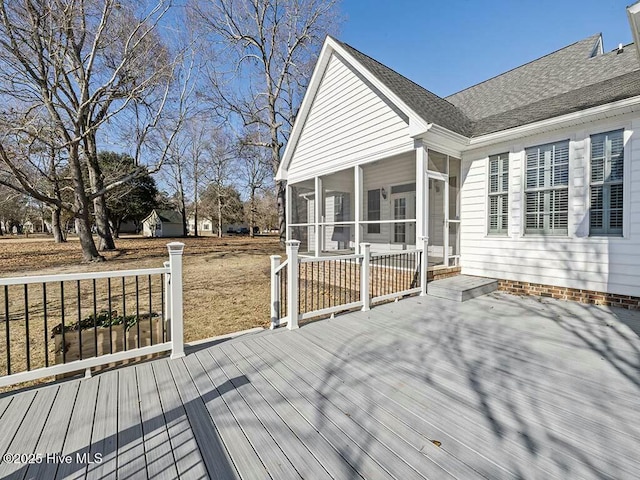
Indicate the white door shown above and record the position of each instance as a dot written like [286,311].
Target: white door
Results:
[403,206]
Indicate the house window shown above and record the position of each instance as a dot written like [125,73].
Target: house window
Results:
[373,210]
[547,189]
[498,193]
[607,168]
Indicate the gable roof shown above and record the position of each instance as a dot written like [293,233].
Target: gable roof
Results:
[166,216]
[428,105]
[573,78]
[569,69]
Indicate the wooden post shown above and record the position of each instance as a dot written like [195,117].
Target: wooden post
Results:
[292,283]
[358,184]
[424,265]
[365,248]
[177,328]
[275,292]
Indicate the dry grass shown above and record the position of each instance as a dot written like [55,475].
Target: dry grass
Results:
[226,286]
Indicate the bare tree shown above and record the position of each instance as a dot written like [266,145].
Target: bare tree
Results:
[267,49]
[254,172]
[78,65]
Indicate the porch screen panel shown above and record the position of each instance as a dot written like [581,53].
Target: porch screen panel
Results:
[547,189]
[373,210]
[607,191]
[498,193]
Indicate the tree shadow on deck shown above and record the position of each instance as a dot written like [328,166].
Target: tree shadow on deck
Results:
[169,433]
[524,395]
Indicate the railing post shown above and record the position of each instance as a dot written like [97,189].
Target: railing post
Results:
[275,292]
[292,283]
[365,248]
[424,265]
[177,329]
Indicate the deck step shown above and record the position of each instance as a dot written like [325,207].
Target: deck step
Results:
[461,287]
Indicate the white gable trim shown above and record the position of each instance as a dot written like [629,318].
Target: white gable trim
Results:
[417,126]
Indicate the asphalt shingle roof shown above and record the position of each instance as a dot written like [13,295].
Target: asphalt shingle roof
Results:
[428,105]
[565,81]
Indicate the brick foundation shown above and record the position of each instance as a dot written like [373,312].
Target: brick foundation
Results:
[573,294]
[438,273]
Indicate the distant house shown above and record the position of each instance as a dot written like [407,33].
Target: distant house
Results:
[162,223]
[205,225]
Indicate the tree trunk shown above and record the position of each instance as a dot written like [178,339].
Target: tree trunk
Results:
[81,208]
[219,215]
[96,179]
[83,230]
[56,226]
[252,213]
[105,238]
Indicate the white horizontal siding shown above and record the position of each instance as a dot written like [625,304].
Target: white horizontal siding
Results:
[398,170]
[576,261]
[348,124]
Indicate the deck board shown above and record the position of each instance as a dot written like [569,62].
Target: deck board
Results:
[197,405]
[320,448]
[184,446]
[497,387]
[306,465]
[104,437]
[78,435]
[131,455]
[503,417]
[27,435]
[157,448]
[51,438]
[275,462]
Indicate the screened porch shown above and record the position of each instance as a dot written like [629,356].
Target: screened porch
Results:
[390,203]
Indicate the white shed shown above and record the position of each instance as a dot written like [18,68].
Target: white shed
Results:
[163,223]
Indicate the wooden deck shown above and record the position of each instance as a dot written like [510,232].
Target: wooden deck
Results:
[497,387]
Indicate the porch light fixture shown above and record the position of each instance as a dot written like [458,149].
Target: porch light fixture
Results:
[384,193]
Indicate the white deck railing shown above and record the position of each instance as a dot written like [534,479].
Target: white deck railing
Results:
[32,304]
[306,287]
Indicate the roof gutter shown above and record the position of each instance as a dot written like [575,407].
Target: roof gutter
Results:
[633,13]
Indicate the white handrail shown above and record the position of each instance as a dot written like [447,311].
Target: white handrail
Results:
[66,277]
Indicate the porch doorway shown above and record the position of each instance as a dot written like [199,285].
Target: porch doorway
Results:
[403,206]
[437,221]
[443,210]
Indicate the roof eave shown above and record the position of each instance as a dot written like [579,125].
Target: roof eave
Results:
[583,116]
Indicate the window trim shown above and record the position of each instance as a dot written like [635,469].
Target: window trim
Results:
[504,232]
[570,160]
[624,182]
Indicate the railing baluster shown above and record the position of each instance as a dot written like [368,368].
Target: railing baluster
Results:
[124,314]
[79,320]
[64,344]
[26,326]
[162,309]
[110,315]
[138,310]
[95,319]
[46,328]
[7,329]
[151,310]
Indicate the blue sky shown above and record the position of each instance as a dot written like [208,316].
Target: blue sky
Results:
[446,46]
